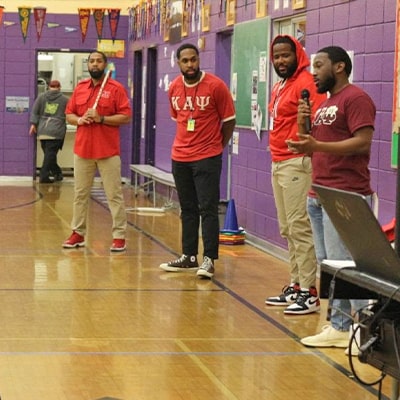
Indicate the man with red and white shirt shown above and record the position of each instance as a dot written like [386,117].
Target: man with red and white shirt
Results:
[203,108]
[97,147]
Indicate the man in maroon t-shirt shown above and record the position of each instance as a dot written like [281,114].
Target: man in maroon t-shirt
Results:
[340,144]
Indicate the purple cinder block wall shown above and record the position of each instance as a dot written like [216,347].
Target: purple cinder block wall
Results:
[18,73]
[365,27]
[369,30]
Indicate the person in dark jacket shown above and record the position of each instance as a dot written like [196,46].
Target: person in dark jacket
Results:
[48,122]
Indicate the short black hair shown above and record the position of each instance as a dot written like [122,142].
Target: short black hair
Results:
[98,52]
[285,39]
[184,47]
[338,54]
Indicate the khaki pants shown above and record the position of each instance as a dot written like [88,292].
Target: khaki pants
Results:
[291,181]
[110,173]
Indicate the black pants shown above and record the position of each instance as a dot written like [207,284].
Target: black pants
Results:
[197,184]
[50,149]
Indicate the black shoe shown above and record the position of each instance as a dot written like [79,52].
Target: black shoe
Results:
[183,263]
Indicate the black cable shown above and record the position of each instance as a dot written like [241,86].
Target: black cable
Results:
[354,372]
[353,338]
[396,346]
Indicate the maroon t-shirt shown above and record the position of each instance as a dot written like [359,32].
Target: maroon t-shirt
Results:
[337,119]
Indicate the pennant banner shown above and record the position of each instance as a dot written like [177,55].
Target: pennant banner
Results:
[39,14]
[1,13]
[98,14]
[113,19]
[84,14]
[24,18]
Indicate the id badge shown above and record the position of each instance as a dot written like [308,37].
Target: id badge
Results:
[190,125]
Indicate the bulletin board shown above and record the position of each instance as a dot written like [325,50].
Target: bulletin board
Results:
[250,71]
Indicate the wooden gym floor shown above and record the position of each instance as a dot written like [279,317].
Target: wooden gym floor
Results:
[84,324]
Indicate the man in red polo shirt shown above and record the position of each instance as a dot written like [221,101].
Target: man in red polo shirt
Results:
[97,147]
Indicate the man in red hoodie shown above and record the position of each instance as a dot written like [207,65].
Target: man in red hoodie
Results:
[291,174]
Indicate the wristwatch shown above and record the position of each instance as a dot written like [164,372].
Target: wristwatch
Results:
[102,119]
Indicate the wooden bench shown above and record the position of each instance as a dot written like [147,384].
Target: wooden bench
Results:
[152,175]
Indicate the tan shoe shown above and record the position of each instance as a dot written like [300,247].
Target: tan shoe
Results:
[328,337]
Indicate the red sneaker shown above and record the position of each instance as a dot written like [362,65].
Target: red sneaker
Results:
[118,245]
[75,240]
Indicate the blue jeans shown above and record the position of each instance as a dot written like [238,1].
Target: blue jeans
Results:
[197,185]
[328,245]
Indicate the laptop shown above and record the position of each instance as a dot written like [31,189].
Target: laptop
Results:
[361,232]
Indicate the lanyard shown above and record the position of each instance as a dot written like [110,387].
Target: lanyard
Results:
[276,100]
[194,97]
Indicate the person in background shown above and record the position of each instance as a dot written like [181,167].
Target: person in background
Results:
[291,174]
[340,145]
[97,147]
[203,108]
[48,122]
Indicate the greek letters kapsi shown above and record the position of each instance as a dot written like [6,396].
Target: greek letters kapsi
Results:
[200,101]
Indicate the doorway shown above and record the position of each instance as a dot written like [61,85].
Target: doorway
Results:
[137,105]
[151,100]
[223,70]
[68,68]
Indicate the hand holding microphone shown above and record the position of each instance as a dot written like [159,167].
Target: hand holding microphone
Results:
[305,95]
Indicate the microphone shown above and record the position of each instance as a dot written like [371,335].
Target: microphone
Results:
[305,95]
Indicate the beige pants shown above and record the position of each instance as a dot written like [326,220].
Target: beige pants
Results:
[110,173]
[291,181]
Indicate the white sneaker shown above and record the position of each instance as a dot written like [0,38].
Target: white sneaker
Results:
[307,302]
[329,337]
[288,296]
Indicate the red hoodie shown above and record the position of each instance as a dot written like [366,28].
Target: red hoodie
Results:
[284,99]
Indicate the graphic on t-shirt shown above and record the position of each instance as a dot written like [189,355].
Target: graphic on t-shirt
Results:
[200,101]
[51,108]
[326,115]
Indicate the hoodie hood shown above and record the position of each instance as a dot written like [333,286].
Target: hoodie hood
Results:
[51,95]
[302,59]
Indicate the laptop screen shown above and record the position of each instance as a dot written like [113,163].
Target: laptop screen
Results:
[361,232]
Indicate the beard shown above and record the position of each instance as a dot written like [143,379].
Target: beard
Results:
[192,77]
[291,69]
[326,85]
[97,74]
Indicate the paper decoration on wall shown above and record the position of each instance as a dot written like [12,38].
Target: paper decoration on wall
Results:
[84,14]
[51,25]
[113,19]
[24,18]
[39,14]
[69,29]
[98,15]
[1,13]
[141,19]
